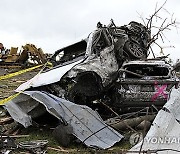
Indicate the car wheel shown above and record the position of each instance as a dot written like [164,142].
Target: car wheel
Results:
[134,49]
[85,90]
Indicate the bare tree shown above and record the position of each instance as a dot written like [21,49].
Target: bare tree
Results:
[164,24]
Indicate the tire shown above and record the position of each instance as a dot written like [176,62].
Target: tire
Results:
[86,89]
[135,50]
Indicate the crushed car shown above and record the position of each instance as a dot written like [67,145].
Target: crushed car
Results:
[143,83]
[92,64]
[109,66]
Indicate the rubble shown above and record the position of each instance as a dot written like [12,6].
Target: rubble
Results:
[144,125]
[100,66]
[86,123]
[38,146]
[89,67]
[102,76]
[8,145]
[163,136]
[119,124]
[28,55]
[5,120]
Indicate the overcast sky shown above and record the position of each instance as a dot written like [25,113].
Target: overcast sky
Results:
[50,24]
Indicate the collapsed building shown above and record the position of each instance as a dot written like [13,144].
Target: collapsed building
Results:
[29,54]
[107,72]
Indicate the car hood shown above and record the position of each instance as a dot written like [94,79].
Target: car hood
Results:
[45,78]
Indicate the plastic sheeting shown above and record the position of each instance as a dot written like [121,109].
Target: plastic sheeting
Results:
[87,124]
[164,134]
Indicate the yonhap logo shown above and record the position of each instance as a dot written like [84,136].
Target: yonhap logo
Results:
[162,140]
[138,137]
[135,138]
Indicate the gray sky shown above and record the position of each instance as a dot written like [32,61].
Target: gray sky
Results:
[50,24]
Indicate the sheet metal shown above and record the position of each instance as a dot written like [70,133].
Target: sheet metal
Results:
[51,76]
[164,133]
[104,65]
[87,124]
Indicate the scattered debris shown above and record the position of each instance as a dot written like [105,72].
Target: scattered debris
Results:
[29,54]
[15,136]
[6,120]
[103,67]
[144,125]
[87,124]
[119,124]
[37,147]
[8,144]
[163,136]
[108,72]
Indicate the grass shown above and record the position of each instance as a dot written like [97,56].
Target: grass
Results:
[75,147]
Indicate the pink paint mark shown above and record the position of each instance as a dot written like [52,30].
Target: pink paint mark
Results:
[160,91]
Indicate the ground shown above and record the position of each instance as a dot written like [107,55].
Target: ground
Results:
[43,132]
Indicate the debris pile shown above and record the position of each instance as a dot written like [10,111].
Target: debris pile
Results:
[29,54]
[8,143]
[102,82]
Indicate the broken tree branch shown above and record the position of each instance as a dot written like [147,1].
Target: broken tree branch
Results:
[133,122]
[6,120]
[149,23]
[165,24]
[124,122]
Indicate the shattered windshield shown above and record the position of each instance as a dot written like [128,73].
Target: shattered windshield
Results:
[69,53]
[146,70]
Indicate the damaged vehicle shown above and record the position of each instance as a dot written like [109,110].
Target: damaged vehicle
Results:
[143,83]
[86,69]
[105,51]
[92,71]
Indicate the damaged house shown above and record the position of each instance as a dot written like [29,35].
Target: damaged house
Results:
[109,67]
